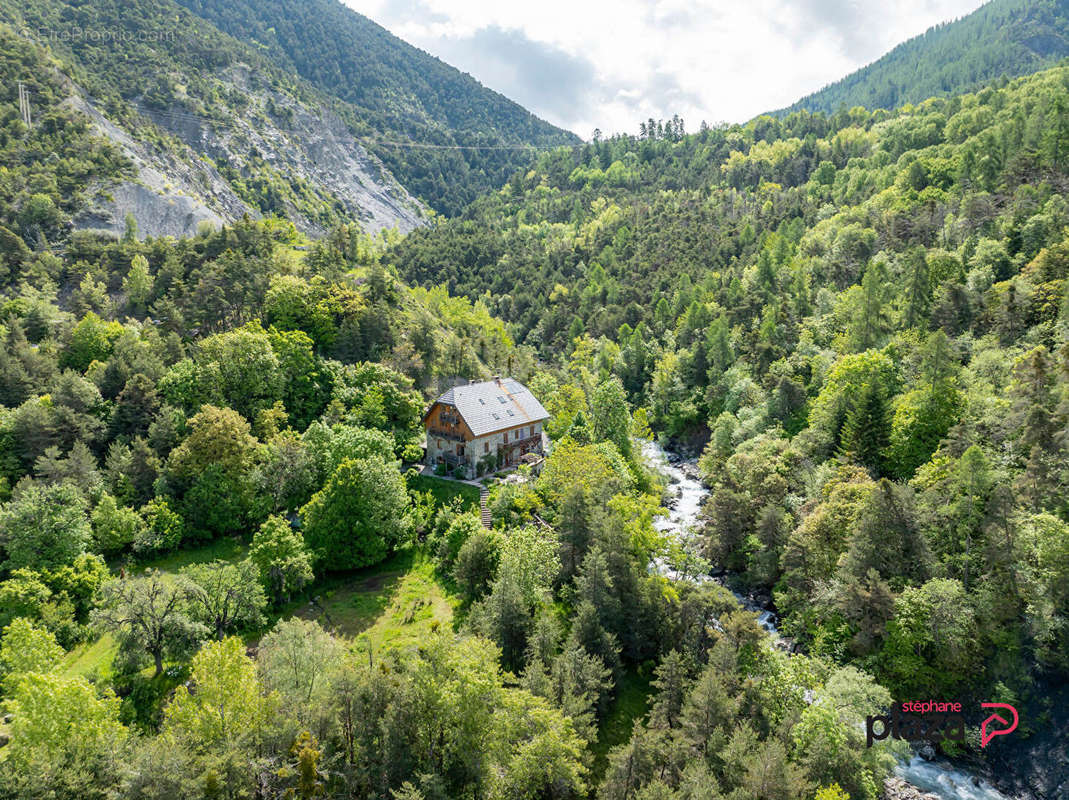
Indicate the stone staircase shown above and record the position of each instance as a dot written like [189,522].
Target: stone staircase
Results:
[484,510]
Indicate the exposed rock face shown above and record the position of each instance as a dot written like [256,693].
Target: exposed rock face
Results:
[171,197]
[157,213]
[1036,766]
[898,789]
[303,143]
[179,187]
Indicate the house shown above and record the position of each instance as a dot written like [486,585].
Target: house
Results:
[483,426]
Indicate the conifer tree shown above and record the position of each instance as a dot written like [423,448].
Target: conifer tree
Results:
[866,432]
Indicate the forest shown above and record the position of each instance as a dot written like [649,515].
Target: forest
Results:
[1002,38]
[221,575]
[861,322]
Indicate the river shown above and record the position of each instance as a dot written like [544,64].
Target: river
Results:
[938,776]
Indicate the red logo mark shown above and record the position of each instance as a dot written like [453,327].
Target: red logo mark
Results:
[986,737]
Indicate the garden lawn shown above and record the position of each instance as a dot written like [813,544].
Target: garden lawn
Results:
[393,603]
[396,602]
[95,657]
[445,490]
[90,658]
[225,549]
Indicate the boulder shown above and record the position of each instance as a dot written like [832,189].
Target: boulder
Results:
[898,789]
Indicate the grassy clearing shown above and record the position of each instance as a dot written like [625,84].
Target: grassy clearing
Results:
[90,658]
[445,490]
[225,549]
[418,606]
[391,603]
[350,603]
[630,704]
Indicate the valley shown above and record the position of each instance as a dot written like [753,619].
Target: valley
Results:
[363,435]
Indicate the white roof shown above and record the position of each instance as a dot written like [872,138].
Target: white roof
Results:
[489,406]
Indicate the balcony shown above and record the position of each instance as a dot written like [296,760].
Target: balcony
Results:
[438,433]
[527,441]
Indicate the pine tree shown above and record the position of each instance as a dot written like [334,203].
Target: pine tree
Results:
[866,432]
[671,682]
[918,289]
[574,528]
[886,537]
[1032,419]
[872,319]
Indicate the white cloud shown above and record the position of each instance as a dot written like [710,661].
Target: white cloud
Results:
[611,63]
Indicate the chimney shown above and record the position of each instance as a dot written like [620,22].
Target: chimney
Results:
[497,379]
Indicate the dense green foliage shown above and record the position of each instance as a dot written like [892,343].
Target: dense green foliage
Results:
[126,437]
[864,319]
[861,319]
[1003,38]
[398,94]
[149,408]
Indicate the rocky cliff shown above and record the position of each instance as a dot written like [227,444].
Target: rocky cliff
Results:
[278,156]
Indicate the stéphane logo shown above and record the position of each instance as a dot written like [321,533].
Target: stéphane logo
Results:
[937,721]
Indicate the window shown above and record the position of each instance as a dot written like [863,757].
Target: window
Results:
[510,412]
[486,447]
[500,399]
[460,449]
[439,444]
[506,435]
[482,402]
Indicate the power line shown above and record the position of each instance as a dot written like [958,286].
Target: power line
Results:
[187,116]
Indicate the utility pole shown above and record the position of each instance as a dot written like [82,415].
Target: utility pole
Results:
[24,105]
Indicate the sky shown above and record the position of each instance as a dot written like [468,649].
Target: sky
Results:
[609,64]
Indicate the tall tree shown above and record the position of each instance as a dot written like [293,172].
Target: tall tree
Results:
[609,415]
[358,516]
[148,616]
[222,595]
[866,431]
[886,537]
[44,527]
[280,555]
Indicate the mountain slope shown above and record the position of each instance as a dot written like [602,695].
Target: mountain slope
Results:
[214,129]
[218,128]
[1003,38]
[398,91]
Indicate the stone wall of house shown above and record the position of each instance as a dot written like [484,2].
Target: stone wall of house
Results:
[494,442]
[476,450]
[439,450]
